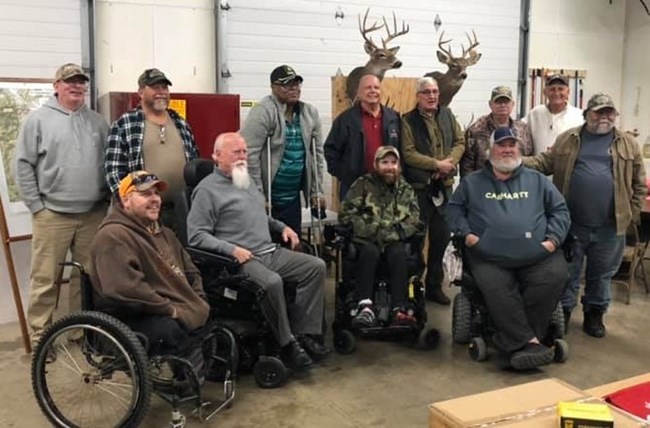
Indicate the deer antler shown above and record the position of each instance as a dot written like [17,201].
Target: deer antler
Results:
[405,29]
[441,46]
[472,44]
[364,30]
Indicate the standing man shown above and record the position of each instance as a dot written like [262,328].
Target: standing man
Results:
[358,132]
[58,170]
[600,171]
[480,134]
[228,217]
[296,151]
[547,121]
[432,145]
[154,137]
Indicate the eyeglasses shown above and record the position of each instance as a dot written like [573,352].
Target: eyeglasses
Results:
[429,92]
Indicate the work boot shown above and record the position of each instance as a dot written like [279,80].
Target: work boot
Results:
[295,356]
[567,317]
[592,323]
[531,356]
[315,349]
[436,295]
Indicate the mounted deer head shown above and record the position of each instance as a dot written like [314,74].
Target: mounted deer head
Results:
[451,81]
[381,58]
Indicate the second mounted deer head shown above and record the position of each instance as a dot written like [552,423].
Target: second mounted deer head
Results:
[451,81]
[381,58]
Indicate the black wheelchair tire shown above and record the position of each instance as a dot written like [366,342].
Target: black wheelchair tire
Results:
[477,349]
[344,341]
[461,322]
[123,335]
[269,372]
[560,351]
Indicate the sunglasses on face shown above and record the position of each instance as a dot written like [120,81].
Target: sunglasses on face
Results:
[144,179]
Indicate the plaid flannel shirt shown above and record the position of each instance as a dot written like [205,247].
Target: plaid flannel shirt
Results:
[124,148]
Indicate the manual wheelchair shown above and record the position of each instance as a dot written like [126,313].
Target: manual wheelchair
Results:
[91,370]
[471,322]
[345,304]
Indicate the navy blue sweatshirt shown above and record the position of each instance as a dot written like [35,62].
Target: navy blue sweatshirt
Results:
[511,217]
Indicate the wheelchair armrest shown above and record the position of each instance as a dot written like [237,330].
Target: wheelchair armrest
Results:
[205,258]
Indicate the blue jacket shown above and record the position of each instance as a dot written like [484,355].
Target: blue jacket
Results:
[511,218]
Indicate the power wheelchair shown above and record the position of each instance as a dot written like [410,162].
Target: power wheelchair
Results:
[471,322]
[91,370]
[344,335]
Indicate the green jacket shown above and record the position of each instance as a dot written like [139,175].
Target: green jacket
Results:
[379,213]
[629,172]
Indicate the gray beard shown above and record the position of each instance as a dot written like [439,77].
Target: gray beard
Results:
[240,177]
[507,166]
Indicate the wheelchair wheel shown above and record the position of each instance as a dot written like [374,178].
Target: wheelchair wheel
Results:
[461,321]
[557,321]
[269,372]
[344,341]
[427,339]
[90,370]
[478,349]
[561,351]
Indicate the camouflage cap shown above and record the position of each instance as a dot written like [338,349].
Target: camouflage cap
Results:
[284,74]
[151,76]
[69,70]
[557,79]
[600,101]
[501,92]
[384,151]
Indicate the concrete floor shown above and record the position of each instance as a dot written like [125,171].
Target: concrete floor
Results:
[381,384]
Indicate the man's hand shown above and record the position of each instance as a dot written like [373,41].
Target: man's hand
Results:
[549,245]
[288,235]
[445,167]
[471,240]
[242,255]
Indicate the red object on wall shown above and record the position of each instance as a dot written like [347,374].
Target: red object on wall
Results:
[208,114]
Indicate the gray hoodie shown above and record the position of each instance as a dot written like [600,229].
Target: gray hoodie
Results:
[59,160]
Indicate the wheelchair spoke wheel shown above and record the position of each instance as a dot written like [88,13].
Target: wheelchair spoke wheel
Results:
[90,370]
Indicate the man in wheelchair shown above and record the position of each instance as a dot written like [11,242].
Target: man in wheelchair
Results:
[383,212]
[513,221]
[227,216]
[142,275]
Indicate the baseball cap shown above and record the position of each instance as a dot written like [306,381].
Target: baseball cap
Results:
[384,151]
[504,133]
[139,181]
[557,79]
[501,92]
[69,70]
[600,101]
[283,75]
[151,76]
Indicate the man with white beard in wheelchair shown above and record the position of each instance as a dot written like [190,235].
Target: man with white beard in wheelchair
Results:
[227,216]
[142,275]
[513,221]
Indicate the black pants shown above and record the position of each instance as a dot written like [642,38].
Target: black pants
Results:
[289,214]
[520,301]
[165,334]
[394,256]
[438,235]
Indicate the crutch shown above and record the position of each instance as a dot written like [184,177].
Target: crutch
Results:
[269,136]
[317,211]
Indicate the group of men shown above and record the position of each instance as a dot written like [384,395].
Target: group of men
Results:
[396,178]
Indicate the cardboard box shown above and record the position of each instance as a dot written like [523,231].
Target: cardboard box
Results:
[530,405]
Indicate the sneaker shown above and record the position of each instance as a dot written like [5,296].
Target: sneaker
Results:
[593,323]
[315,349]
[403,317]
[295,356]
[365,318]
[531,356]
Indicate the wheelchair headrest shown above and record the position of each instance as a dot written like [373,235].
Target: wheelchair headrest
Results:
[196,170]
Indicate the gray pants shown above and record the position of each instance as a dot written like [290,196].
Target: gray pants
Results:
[271,271]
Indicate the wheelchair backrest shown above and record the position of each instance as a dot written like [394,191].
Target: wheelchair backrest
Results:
[194,171]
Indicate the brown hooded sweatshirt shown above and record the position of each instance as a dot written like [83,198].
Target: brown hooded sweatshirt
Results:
[135,271]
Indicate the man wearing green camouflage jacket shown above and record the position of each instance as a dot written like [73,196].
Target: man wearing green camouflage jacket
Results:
[383,211]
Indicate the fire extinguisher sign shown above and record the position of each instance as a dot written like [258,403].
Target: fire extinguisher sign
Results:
[179,106]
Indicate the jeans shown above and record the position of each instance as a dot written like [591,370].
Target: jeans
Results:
[603,249]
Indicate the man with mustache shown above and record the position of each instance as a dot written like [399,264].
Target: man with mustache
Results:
[228,217]
[58,170]
[514,221]
[140,272]
[383,211]
[600,171]
[296,151]
[154,137]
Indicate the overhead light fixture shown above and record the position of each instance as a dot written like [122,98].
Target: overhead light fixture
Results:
[339,15]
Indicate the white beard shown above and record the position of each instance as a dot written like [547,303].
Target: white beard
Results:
[506,165]
[240,177]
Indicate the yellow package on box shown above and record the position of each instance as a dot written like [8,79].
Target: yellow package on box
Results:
[584,415]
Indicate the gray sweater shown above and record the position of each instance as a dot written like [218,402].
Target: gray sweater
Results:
[223,216]
[59,160]
[268,117]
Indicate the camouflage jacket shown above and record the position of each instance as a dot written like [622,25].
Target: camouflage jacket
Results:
[379,213]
